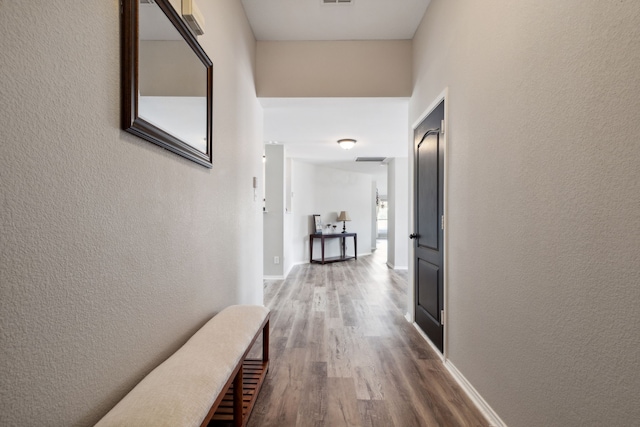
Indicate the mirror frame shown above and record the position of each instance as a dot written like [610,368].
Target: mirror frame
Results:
[135,124]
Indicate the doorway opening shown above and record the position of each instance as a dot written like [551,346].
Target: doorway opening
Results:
[382,213]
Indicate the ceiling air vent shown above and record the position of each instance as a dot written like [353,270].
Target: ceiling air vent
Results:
[371,159]
[337,1]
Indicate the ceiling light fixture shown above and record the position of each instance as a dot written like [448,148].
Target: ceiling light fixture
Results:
[347,144]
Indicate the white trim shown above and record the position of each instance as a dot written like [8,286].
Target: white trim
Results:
[487,411]
[431,344]
[286,273]
[476,398]
[393,267]
[272,277]
[293,265]
[443,96]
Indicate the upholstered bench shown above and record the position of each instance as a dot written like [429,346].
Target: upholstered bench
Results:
[209,379]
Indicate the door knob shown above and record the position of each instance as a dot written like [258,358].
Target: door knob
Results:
[414,236]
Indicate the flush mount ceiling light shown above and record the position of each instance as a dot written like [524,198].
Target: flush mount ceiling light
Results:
[347,144]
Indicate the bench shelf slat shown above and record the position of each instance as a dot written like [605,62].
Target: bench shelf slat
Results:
[253,377]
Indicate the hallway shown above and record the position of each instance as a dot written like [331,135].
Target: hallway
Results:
[342,353]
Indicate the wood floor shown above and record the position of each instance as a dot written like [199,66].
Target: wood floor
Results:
[342,354]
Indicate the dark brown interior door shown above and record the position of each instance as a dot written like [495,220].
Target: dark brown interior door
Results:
[428,234]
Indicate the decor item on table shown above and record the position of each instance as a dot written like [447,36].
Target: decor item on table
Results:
[328,228]
[344,216]
[334,228]
[347,143]
[317,223]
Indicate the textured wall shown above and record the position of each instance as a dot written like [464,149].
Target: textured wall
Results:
[274,218]
[113,250]
[543,206]
[334,68]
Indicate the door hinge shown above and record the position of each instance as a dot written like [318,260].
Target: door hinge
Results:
[442,222]
[442,317]
[442,126]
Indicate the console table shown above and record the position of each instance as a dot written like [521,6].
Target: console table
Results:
[343,255]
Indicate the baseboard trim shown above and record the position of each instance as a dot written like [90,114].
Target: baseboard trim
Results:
[272,277]
[432,345]
[286,273]
[393,267]
[476,398]
[482,405]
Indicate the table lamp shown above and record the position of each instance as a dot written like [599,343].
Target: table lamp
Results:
[344,216]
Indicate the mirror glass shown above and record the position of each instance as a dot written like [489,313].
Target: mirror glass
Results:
[167,79]
[172,81]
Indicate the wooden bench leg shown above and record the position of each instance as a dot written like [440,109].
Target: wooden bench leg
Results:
[265,343]
[237,399]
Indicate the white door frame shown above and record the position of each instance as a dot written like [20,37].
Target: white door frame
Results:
[411,313]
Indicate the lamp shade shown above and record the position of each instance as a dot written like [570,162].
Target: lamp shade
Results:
[344,216]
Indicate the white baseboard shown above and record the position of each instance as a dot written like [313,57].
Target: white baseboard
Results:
[394,267]
[286,273]
[432,345]
[476,398]
[483,406]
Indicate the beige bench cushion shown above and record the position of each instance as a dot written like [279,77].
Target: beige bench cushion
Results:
[181,391]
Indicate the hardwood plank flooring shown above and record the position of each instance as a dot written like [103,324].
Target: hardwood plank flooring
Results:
[342,354]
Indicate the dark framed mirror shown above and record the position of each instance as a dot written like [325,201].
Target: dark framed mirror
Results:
[167,81]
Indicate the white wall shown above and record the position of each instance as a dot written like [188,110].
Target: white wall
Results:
[374,212]
[303,202]
[113,250]
[352,68]
[274,216]
[398,215]
[287,250]
[327,191]
[543,221]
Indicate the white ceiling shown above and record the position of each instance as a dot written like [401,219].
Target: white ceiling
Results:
[309,128]
[314,20]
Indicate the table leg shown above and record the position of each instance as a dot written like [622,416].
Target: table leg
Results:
[322,245]
[355,246]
